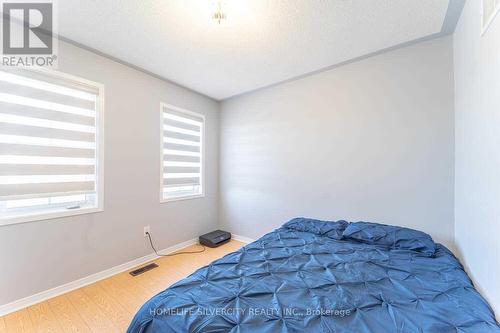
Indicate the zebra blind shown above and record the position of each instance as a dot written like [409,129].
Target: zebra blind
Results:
[48,142]
[182,153]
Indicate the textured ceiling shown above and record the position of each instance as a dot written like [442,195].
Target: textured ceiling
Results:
[263,42]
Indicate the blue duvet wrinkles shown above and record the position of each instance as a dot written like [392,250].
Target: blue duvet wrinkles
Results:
[299,281]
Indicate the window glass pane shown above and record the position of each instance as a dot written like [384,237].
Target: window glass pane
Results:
[490,9]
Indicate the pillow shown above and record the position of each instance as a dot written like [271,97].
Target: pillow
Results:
[391,236]
[323,228]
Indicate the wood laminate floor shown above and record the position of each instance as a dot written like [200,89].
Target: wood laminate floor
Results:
[109,305]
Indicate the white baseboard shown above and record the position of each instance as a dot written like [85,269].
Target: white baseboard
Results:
[44,295]
[242,239]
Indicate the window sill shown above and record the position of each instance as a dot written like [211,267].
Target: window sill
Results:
[187,197]
[48,216]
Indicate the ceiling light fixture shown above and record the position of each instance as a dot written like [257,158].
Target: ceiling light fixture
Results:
[219,15]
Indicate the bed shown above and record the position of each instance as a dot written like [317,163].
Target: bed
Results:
[320,276]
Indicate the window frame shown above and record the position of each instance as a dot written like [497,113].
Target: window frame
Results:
[202,151]
[59,212]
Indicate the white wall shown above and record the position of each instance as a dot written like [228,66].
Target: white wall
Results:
[371,140]
[477,173]
[40,255]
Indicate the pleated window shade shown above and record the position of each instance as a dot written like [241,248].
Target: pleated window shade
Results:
[49,143]
[182,153]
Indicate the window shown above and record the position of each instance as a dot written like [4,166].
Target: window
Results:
[50,145]
[490,10]
[182,153]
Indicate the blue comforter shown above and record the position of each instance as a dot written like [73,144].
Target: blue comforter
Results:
[305,281]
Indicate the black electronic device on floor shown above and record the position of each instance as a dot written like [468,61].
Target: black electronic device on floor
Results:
[215,238]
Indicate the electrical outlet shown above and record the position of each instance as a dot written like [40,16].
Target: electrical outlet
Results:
[146,230]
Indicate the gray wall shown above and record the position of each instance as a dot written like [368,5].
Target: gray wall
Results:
[477,180]
[371,140]
[40,255]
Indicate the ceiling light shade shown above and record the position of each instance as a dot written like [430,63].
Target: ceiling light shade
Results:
[218,14]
